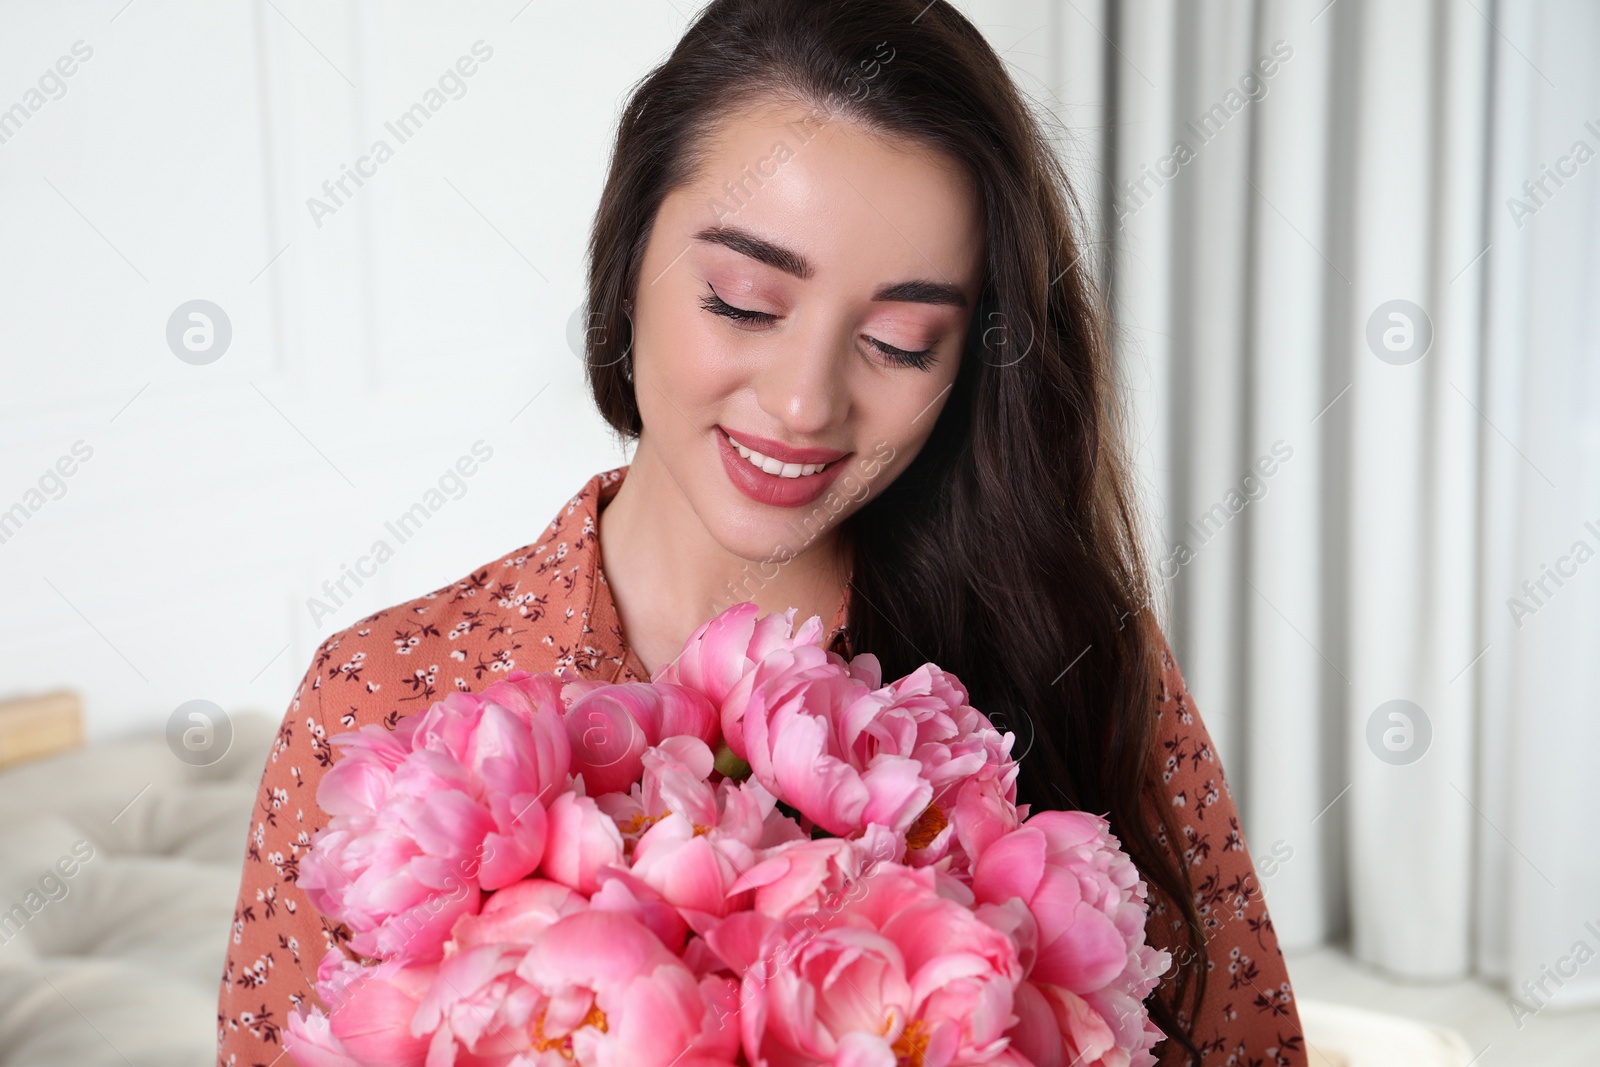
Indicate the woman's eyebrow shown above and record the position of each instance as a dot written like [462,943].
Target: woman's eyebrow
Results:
[920,291]
[748,244]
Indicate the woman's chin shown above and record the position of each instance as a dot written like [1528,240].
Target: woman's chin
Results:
[761,534]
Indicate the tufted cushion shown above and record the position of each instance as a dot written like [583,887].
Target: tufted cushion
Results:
[118,869]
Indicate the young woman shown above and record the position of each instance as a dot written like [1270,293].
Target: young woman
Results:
[837,301]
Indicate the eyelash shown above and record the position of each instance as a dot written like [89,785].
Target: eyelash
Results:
[717,306]
[920,360]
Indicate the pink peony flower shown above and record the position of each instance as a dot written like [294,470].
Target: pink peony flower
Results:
[517,757]
[545,975]
[400,877]
[688,839]
[726,648]
[611,995]
[925,717]
[822,735]
[791,725]
[478,1011]
[1089,909]
[453,802]
[898,974]
[1084,894]
[609,728]
[370,1020]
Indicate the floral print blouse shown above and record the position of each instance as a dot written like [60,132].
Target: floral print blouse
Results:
[546,606]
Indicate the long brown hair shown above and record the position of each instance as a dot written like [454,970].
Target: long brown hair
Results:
[1008,551]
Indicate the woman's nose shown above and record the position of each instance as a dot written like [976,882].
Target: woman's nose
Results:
[804,385]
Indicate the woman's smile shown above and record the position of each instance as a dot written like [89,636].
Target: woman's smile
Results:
[770,472]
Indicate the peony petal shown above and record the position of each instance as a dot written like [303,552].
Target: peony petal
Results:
[582,840]
[1011,867]
[309,1042]
[517,914]
[608,730]
[1086,956]
[897,793]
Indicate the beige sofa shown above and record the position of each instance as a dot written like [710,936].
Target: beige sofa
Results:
[118,870]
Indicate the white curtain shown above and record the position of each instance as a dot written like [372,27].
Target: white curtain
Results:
[1365,392]
[1539,682]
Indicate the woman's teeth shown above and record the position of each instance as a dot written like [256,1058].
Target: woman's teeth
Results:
[775,466]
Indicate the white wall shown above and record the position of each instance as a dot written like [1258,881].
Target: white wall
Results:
[371,353]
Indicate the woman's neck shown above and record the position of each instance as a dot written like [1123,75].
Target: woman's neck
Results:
[667,574]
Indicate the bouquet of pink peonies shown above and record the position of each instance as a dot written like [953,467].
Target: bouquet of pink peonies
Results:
[763,856]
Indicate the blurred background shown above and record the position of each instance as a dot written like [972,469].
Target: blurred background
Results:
[1354,254]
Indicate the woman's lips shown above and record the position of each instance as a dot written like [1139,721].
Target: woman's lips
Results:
[765,453]
[770,472]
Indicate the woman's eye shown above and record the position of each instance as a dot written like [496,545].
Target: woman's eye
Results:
[921,359]
[717,306]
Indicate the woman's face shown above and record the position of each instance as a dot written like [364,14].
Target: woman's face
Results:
[798,322]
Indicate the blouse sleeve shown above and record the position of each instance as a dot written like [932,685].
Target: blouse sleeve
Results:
[278,938]
[1248,1015]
